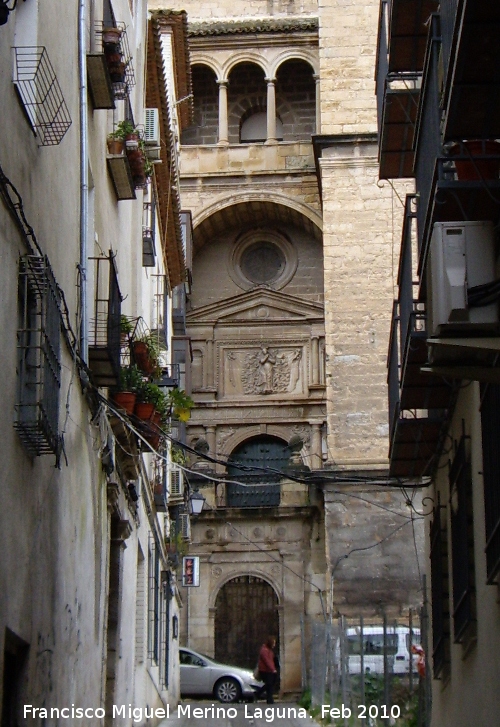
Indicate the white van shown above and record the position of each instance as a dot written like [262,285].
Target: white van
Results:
[398,649]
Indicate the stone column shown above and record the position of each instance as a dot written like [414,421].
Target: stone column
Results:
[210,435]
[271,111]
[223,123]
[315,360]
[210,364]
[316,459]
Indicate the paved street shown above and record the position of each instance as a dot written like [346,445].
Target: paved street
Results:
[214,714]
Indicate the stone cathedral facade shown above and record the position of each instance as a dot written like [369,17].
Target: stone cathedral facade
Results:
[289,318]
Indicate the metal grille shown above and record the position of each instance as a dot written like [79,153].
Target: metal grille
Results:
[490,421]
[246,615]
[39,368]
[462,541]
[427,142]
[119,50]
[439,590]
[154,605]
[41,95]
[105,340]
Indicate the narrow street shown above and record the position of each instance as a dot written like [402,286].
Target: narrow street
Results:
[213,714]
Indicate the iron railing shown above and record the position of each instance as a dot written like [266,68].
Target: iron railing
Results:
[448,12]
[40,94]
[393,368]
[104,338]
[462,541]
[118,57]
[490,422]
[39,367]
[382,66]
[427,134]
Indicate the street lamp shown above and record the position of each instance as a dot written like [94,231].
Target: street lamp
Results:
[196,503]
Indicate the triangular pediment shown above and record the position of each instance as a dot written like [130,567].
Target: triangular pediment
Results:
[267,306]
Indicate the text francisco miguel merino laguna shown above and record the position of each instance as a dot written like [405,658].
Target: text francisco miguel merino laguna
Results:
[139,714]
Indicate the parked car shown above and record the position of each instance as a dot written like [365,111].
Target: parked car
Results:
[398,649]
[202,676]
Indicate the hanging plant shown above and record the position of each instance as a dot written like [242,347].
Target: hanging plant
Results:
[181,404]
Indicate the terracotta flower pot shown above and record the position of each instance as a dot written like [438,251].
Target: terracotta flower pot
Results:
[132,141]
[144,410]
[141,357]
[115,146]
[475,168]
[117,72]
[111,35]
[125,400]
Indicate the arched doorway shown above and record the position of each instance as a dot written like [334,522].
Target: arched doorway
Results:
[246,613]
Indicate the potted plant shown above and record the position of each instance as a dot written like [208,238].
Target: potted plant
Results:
[126,328]
[111,35]
[181,404]
[115,143]
[148,396]
[146,353]
[130,381]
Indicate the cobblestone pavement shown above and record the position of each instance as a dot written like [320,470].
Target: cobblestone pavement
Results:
[213,714]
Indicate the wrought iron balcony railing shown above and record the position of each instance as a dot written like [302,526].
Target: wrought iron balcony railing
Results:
[41,95]
[109,65]
[104,338]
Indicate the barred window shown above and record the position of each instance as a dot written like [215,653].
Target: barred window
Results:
[38,357]
[462,541]
[439,592]
[490,421]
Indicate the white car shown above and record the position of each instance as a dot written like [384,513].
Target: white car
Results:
[202,676]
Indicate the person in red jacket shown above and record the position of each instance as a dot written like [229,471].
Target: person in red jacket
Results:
[267,669]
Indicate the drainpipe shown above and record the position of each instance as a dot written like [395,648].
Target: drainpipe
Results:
[84,178]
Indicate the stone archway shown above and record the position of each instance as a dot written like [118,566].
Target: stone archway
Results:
[246,613]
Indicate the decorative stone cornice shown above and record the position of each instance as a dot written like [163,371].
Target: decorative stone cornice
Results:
[252,25]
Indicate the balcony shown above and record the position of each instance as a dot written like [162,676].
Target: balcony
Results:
[121,176]
[104,334]
[417,401]
[109,67]
[401,48]
[471,58]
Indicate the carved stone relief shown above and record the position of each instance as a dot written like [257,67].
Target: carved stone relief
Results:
[263,370]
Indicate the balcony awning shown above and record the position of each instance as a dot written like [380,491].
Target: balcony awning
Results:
[408,32]
[397,130]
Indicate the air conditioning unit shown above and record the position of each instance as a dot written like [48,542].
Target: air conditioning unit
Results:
[462,258]
[152,134]
[176,489]
[185,526]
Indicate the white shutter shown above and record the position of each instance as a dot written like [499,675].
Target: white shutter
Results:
[176,490]
[152,127]
[185,523]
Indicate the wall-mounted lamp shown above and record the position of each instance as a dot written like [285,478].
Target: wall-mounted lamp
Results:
[5,10]
[196,503]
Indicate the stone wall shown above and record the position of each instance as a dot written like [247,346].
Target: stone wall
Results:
[348,42]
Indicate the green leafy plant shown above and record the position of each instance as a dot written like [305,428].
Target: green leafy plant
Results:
[151,394]
[126,325]
[124,129]
[131,379]
[178,455]
[181,404]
